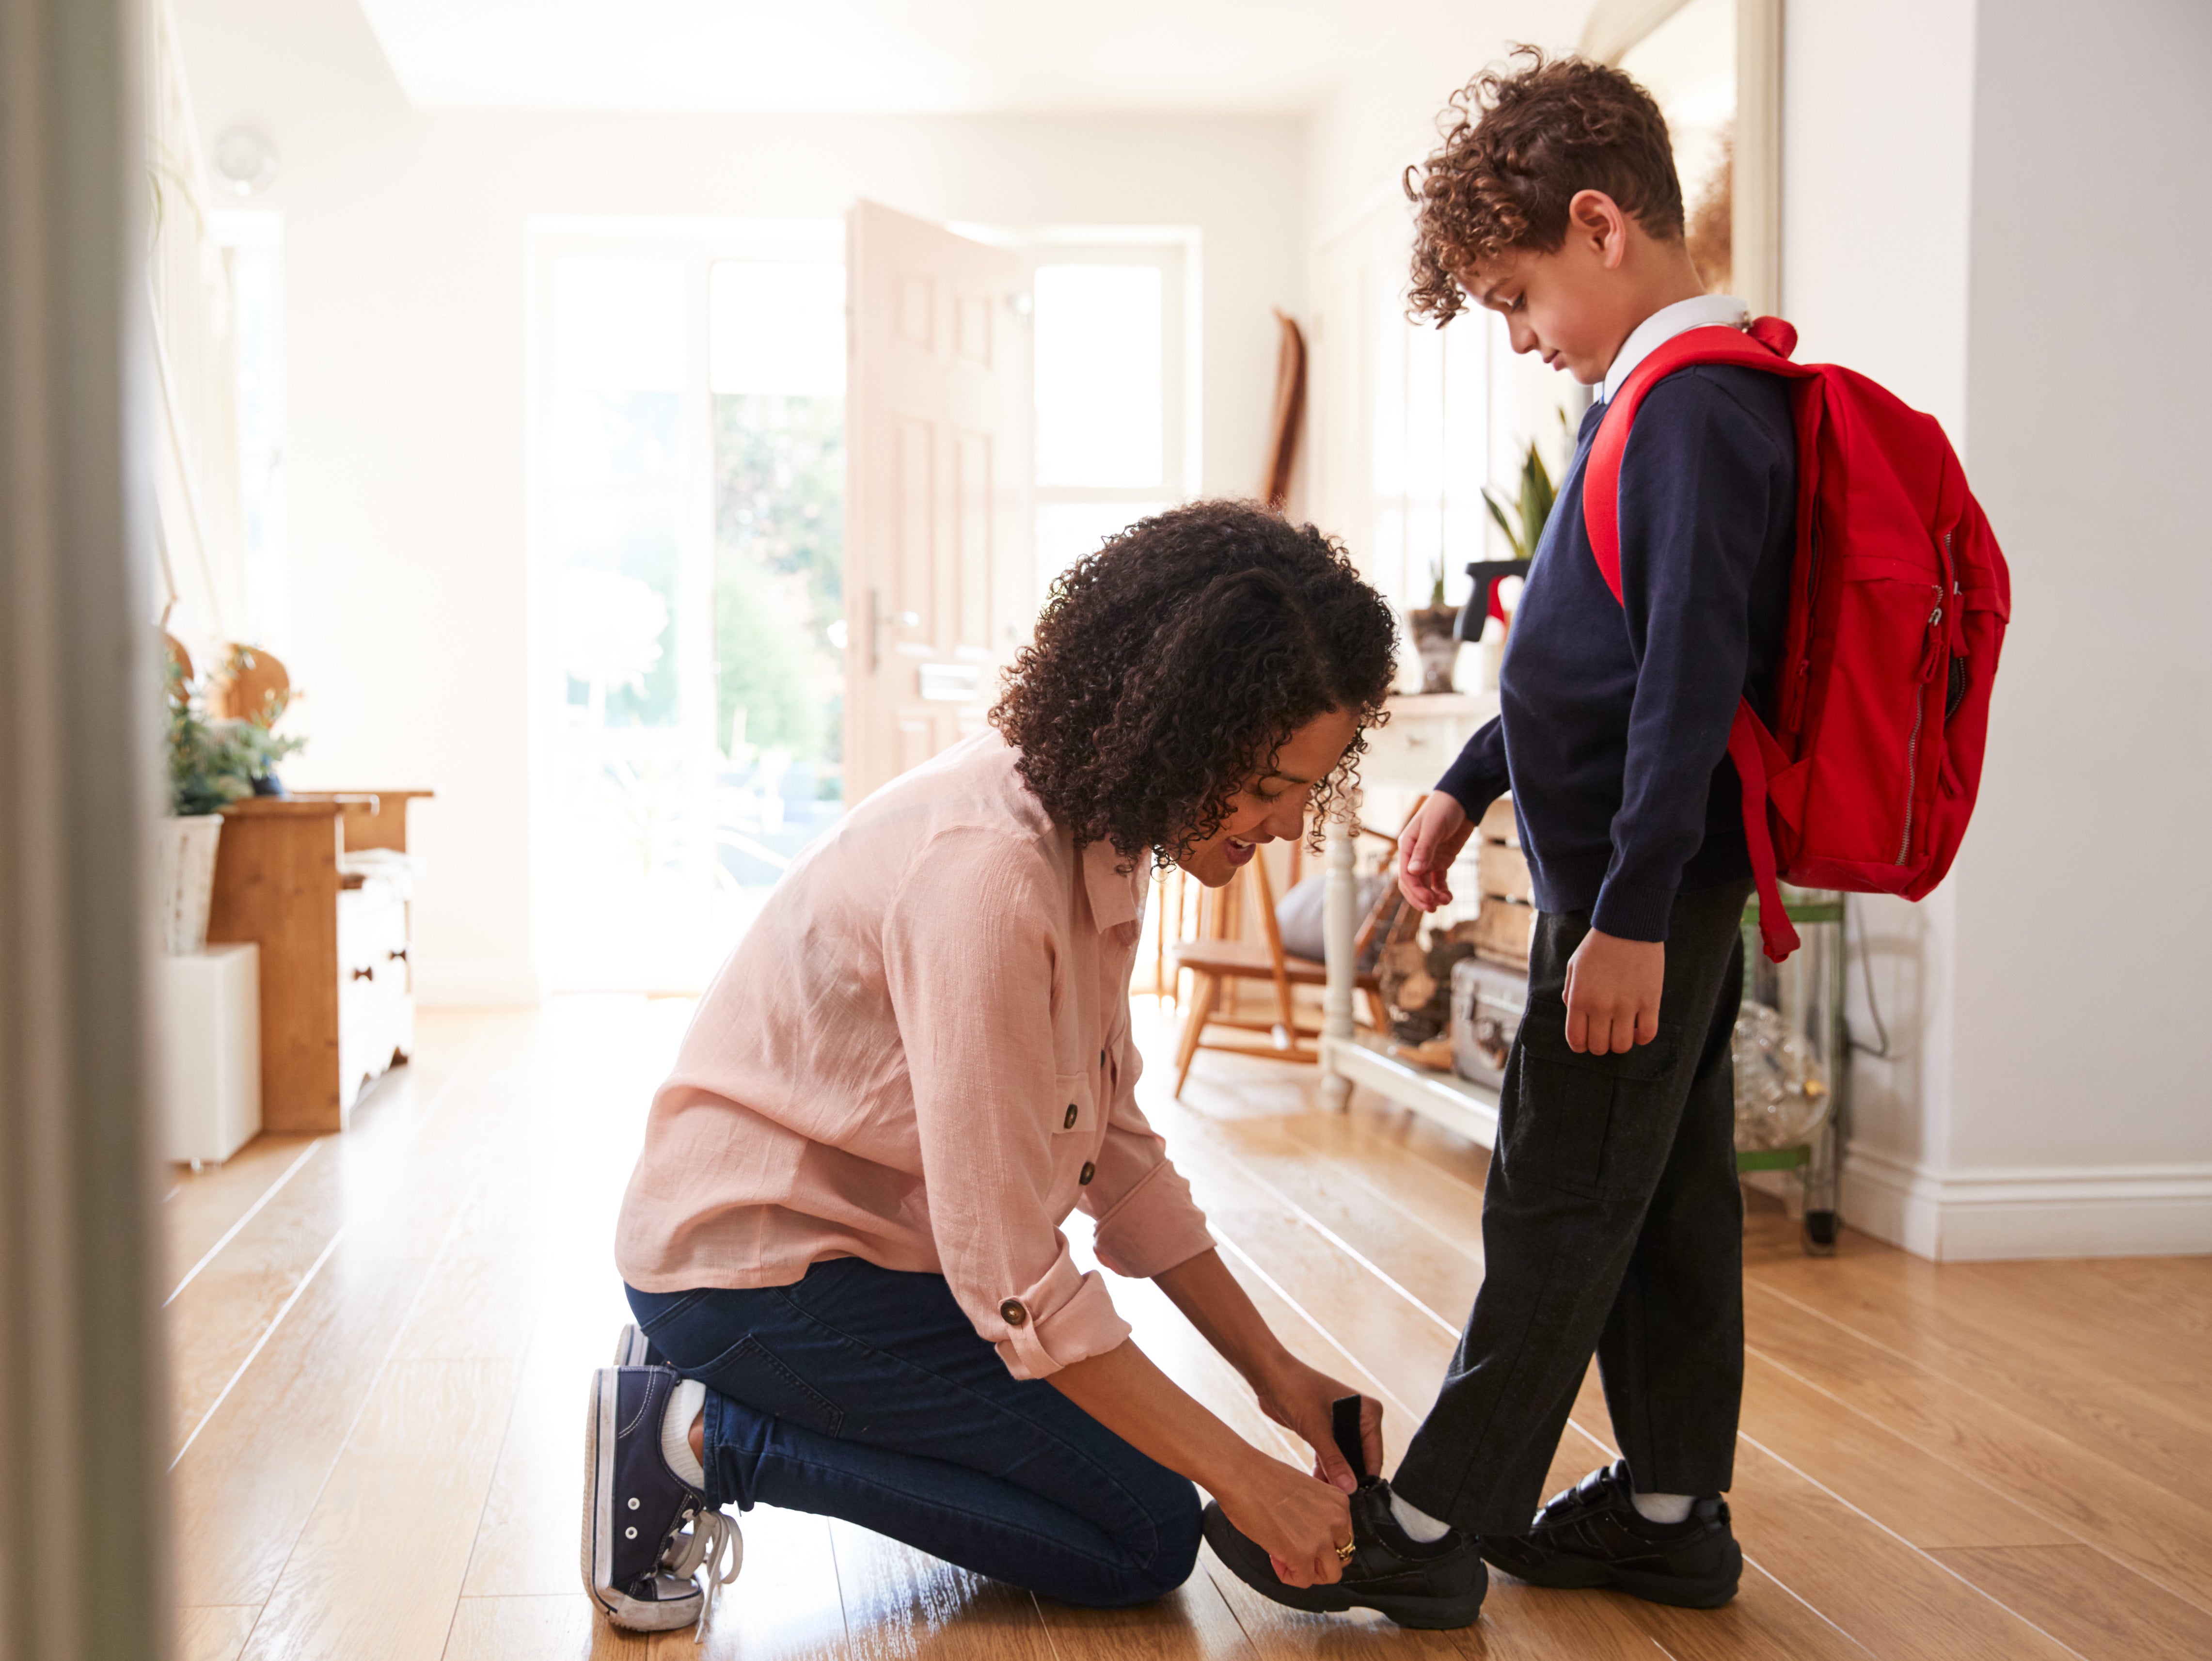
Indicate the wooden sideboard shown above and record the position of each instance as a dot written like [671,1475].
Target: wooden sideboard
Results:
[338,985]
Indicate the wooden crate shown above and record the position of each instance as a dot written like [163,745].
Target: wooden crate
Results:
[1502,872]
[1506,914]
[1504,929]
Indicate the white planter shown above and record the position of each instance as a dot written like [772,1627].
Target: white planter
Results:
[184,880]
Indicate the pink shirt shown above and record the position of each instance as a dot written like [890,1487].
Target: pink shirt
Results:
[920,1055]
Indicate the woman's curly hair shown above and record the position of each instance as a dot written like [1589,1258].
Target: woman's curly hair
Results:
[1519,143]
[1170,667]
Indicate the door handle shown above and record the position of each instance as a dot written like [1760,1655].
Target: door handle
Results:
[879,620]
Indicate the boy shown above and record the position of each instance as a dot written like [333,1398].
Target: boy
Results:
[1612,1218]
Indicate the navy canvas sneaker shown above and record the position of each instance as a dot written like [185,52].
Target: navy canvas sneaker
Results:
[1593,1536]
[646,1532]
[1436,1584]
[634,1349]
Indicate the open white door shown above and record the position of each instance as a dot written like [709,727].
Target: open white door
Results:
[937,522]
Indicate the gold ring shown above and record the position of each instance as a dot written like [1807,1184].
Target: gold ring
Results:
[1344,1552]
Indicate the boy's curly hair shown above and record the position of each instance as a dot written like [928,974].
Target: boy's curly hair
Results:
[1519,142]
[1170,667]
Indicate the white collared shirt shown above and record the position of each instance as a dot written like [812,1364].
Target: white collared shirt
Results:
[1663,325]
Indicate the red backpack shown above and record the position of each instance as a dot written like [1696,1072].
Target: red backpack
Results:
[1899,599]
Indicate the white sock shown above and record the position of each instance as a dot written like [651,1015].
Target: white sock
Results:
[1417,1522]
[1663,1507]
[676,1432]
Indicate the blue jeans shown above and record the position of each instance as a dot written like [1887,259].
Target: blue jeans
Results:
[864,1393]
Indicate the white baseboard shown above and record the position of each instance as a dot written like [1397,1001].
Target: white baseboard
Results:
[477,983]
[1975,1215]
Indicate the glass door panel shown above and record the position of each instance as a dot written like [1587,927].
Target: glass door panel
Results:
[777,348]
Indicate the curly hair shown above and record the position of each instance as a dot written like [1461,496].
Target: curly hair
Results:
[1518,143]
[1170,667]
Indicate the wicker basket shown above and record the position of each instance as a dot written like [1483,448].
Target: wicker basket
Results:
[184,880]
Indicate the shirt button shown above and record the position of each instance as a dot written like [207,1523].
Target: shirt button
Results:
[1069,1122]
[1012,1313]
[1088,1172]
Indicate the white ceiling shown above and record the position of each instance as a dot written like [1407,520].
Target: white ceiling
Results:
[949,56]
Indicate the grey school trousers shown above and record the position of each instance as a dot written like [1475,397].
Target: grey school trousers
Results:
[1612,1222]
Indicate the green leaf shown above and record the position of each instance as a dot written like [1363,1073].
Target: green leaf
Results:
[1512,531]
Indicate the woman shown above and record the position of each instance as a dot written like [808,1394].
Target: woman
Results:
[842,1239]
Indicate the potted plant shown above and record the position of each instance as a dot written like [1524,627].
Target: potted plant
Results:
[1522,518]
[1433,637]
[211,764]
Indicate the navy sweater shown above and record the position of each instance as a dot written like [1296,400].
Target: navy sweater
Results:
[1612,734]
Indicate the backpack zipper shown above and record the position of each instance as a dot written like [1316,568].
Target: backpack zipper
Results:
[1919,718]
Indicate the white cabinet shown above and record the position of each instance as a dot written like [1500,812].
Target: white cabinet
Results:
[207,1051]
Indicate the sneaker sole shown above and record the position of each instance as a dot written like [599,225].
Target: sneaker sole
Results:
[1570,1573]
[631,1614]
[1250,1564]
[633,1348]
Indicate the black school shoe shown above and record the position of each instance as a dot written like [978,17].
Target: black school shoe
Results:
[1593,1536]
[1437,1586]
[639,1557]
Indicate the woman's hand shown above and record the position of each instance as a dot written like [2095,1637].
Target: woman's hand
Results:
[1297,1521]
[1301,1399]
[1426,848]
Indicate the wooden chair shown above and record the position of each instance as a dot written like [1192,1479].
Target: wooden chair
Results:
[1213,961]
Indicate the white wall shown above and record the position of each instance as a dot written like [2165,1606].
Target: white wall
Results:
[1990,231]
[1383,118]
[406,354]
[2081,972]
[1877,147]
[1384,114]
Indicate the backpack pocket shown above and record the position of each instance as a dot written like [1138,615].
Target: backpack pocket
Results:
[1878,727]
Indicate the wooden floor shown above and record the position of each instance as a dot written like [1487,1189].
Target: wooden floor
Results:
[381,1343]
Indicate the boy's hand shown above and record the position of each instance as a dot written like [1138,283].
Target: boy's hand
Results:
[1426,848]
[1613,993]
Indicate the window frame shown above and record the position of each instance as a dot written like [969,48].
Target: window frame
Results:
[1176,251]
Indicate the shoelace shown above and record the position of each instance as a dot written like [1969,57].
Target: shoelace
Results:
[714,1542]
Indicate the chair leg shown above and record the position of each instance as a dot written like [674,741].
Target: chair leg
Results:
[1203,992]
[1375,1012]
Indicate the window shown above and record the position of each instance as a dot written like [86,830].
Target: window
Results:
[1427,461]
[252,244]
[690,466]
[1115,367]
[777,334]
[1399,434]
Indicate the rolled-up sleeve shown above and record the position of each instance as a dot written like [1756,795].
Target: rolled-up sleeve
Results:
[971,966]
[1147,1221]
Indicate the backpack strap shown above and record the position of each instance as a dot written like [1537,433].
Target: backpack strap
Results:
[1766,346]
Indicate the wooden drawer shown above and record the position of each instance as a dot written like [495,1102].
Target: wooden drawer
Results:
[372,929]
[1422,738]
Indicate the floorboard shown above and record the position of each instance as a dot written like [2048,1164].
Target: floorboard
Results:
[377,1570]
[2083,1599]
[214,1635]
[382,1343]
